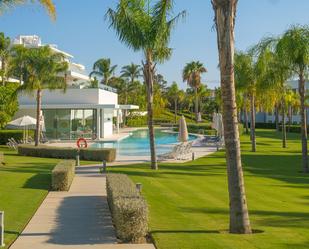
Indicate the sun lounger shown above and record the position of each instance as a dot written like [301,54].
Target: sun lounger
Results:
[180,151]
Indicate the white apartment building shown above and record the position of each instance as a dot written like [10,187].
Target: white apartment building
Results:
[79,111]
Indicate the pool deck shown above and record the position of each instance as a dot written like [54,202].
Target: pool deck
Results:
[199,151]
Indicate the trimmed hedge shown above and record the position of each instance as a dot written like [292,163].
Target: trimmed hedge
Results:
[264,125]
[129,209]
[199,129]
[16,134]
[94,154]
[91,154]
[62,175]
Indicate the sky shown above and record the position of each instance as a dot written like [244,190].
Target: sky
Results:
[81,30]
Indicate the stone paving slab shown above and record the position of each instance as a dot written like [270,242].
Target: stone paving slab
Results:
[77,219]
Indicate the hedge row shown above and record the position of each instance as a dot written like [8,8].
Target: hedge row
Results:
[91,154]
[199,129]
[136,121]
[16,134]
[62,175]
[129,209]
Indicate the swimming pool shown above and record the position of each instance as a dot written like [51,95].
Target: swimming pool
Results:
[137,144]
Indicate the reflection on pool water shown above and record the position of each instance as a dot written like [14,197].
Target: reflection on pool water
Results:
[137,144]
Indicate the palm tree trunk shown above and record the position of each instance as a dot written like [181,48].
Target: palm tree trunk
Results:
[148,75]
[290,117]
[196,104]
[3,71]
[277,117]
[175,111]
[126,102]
[225,11]
[38,116]
[246,121]
[283,126]
[252,123]
[303,123]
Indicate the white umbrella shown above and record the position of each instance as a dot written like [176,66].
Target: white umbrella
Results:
[23,122]
[220,125]
[120,119]
[199,117]
[214,121]
[183,131]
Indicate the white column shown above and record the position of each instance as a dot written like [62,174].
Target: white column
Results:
[102,123]
[117,121]
[98,124]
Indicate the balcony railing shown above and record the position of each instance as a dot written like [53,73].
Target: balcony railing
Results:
[76,69]
[107,88]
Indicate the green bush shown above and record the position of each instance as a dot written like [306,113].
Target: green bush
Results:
[200,128]
[16,134]
[136,121]
[129,209]
[47,151]
[62,175]
[264,125]
[91,154]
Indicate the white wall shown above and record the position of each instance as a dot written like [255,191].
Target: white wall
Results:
[72,96]
[107,122]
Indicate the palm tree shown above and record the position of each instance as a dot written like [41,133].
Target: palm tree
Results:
[45,69]
[294,48]
[103,69]
[173,94]
[147,28]
[292,100]
[5,43]
[131,73]
[203,93]
[47,4]
[17,64]
[192,75]
[246,83]
[225,11]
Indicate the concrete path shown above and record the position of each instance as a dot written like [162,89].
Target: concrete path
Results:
[76,219]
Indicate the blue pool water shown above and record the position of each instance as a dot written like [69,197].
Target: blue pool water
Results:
[137,144]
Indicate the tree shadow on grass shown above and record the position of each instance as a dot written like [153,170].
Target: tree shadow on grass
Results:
[279,167]
[38,181]
[262,217]
[83,220]
[152,232]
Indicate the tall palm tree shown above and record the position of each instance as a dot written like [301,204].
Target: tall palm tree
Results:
[45,69]
[131,73]
[246,83]
[173,94]
[5,43]
[17,64]
[146,27]
[103,69]
[192,75]
[294,48]
[47,4]
[225,12]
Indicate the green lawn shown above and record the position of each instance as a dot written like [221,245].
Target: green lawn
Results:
[24,183]
[189,202]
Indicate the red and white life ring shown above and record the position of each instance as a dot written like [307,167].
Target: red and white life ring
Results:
[81,142]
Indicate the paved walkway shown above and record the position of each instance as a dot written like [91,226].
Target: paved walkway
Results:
[76,219]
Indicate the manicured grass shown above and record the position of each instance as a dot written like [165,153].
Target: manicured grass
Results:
[24,183]
[189,202]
